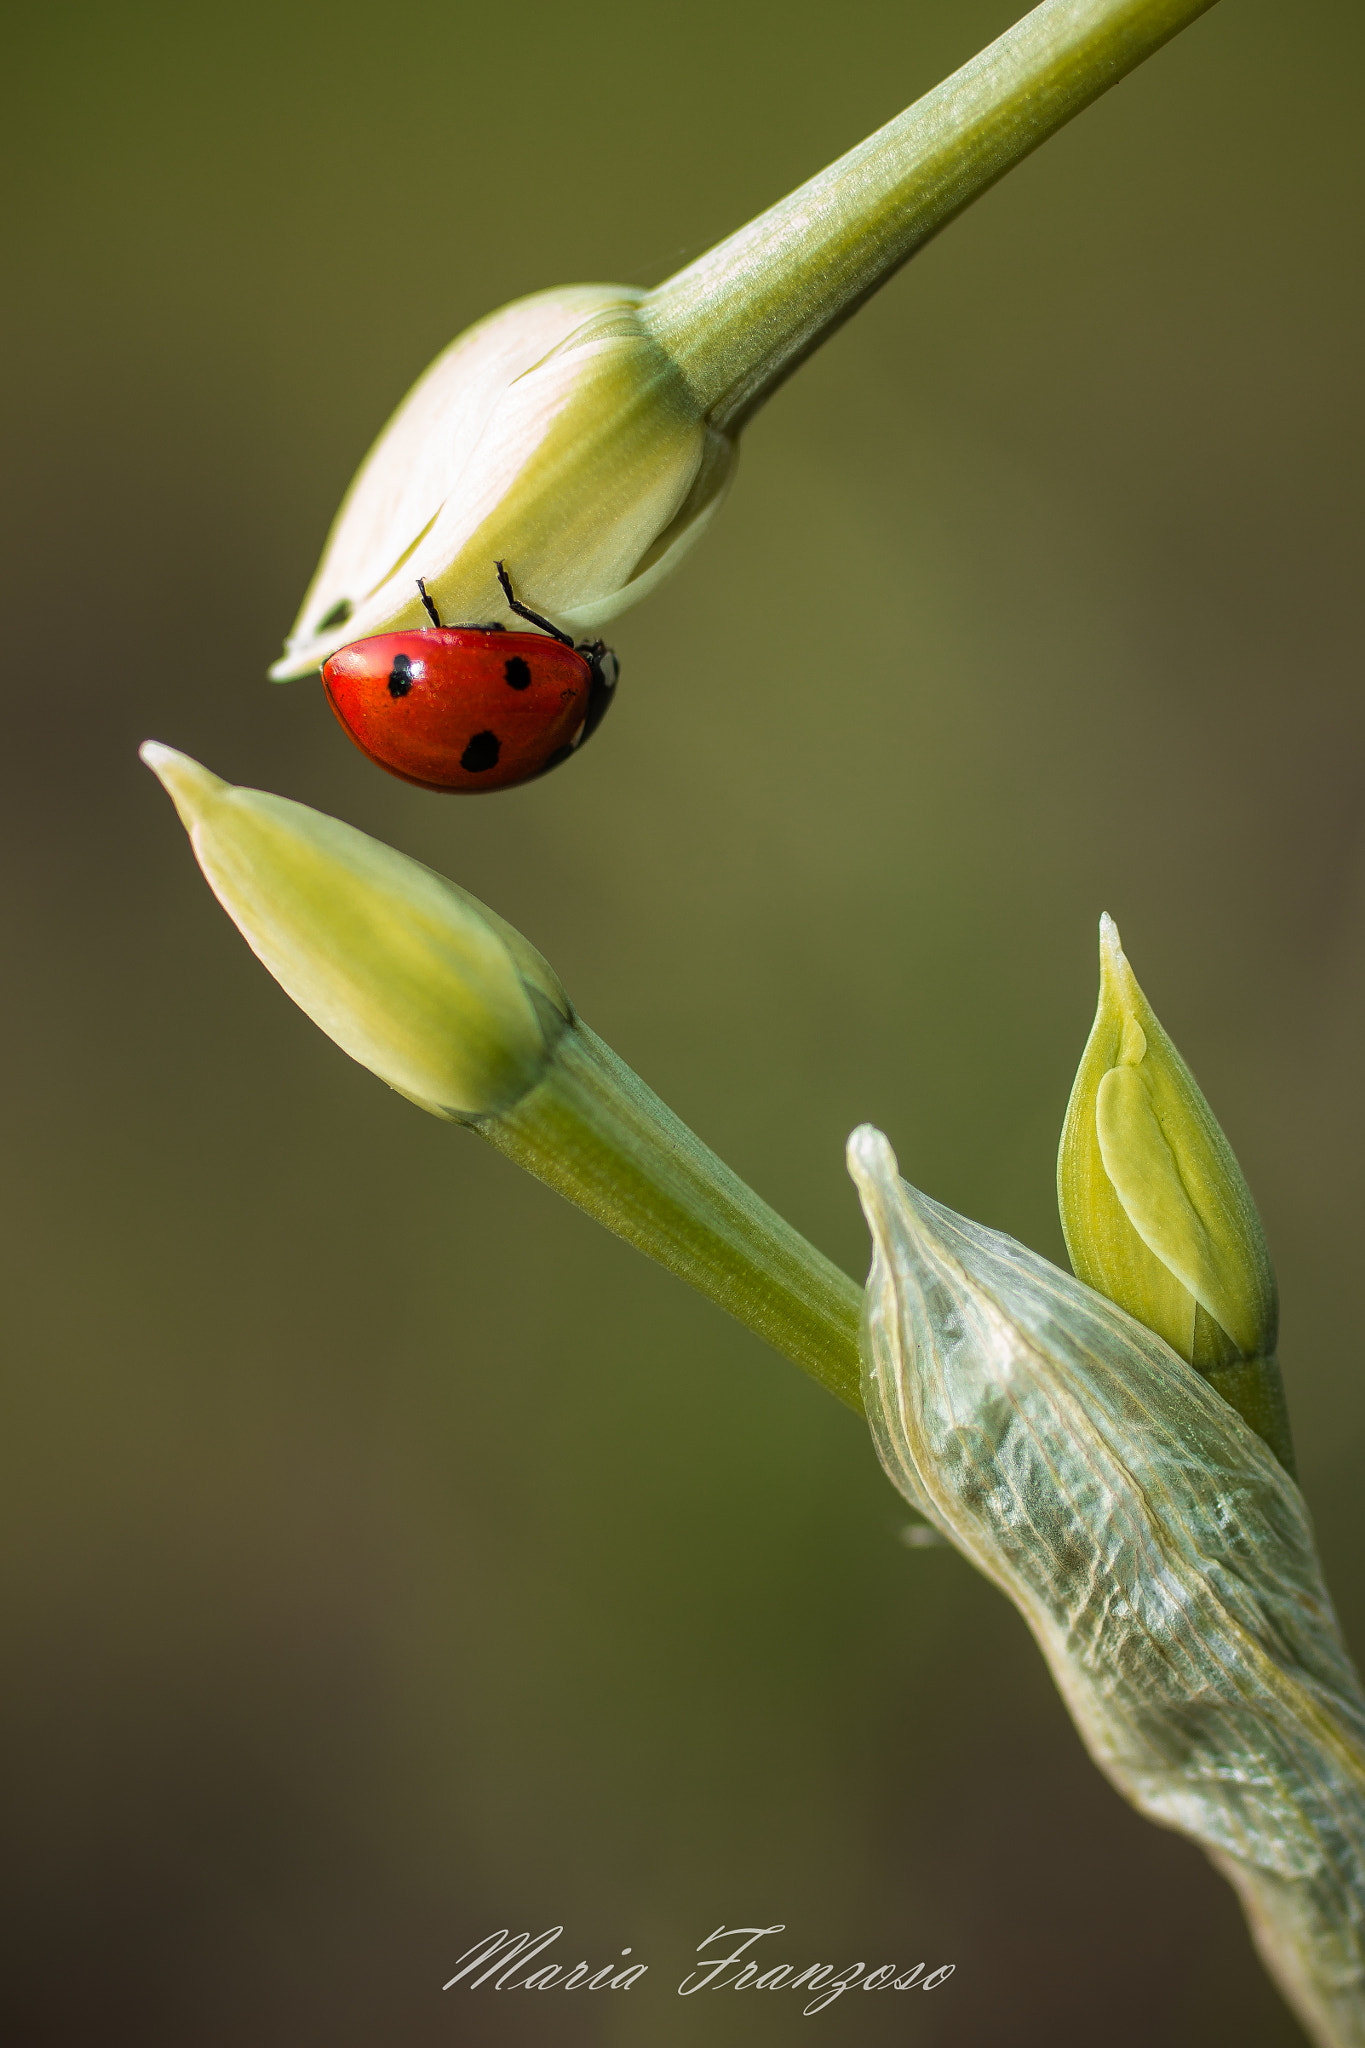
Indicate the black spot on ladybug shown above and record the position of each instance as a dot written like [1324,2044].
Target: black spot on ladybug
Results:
[400,675]
[338,615]
[481,753]
[517,673]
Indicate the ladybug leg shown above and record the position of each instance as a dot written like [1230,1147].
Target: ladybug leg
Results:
[605,669]
[524,611]
[495,625]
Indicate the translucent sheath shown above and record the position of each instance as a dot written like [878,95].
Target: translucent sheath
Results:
[1161,1555]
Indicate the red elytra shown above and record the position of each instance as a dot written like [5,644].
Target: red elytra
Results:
[470,708]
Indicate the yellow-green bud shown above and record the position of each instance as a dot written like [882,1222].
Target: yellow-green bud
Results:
[408,973]
[1155,1209]
[452,1007]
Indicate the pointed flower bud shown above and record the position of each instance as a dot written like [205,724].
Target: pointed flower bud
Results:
[406,972]
[587,435]
[1162,1558]
[454,1009]
[1155,1210]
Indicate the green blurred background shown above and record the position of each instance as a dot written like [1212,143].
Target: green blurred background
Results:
[390,1555]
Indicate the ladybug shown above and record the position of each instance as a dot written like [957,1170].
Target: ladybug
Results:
[471,707]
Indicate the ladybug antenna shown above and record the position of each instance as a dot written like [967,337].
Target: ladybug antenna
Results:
[431,610]
[524,611]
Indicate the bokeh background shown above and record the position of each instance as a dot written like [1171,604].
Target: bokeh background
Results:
[390,1556]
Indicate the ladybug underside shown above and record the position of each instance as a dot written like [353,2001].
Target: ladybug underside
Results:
[462,707]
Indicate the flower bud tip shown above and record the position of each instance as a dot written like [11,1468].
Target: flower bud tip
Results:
[186,782]
[873,1167]
[868,1151]
[1115,973]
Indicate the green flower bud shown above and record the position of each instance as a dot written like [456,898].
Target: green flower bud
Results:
[454,1009]
[1155,1210]
[587,435]
[408,974]
[1160,1554]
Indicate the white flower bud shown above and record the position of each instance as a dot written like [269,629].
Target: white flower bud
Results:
[586,436]
[409,974]
[556,435]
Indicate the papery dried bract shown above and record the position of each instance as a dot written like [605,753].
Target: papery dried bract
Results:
[1160,1554]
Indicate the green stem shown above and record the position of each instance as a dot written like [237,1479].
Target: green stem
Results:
[741,319]
[1254,1387]
[595,1133]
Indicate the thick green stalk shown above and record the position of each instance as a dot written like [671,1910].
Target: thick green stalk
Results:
[741,319]
[593,1131]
